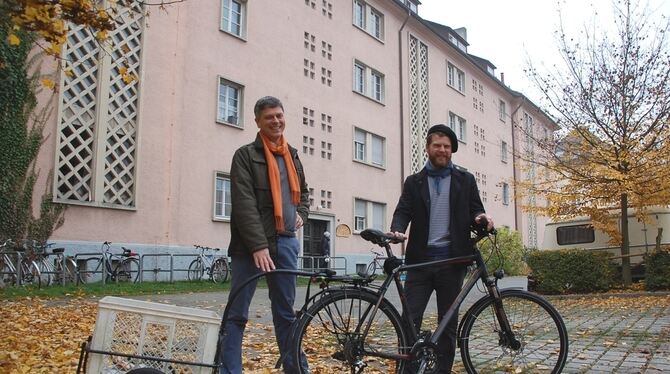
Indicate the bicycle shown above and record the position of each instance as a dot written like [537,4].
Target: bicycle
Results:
[217,268]
[21,271]
[123,267]
[64,268]
[354,328]
[376,263]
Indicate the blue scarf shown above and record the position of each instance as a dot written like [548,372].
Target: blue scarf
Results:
[438,174]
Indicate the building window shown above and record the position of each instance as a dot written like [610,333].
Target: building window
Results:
[576,234]
[308,117]
[459,125]
[368,19]
[229,105]
[505,194]
[308,68]
[369,148]
[233,17]
[502,111]
[96,146]
[503,151]
[222,200]
[368,82]
[368,214]
[455,78]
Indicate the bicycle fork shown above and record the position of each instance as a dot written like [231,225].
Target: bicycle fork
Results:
[506,335]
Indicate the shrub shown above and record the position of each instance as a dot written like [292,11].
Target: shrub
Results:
[657,271]
[513,253]
[571,271]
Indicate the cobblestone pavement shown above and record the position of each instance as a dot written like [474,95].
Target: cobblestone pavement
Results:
[622,333]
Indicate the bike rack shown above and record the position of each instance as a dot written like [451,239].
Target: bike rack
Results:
[313,260]
[16,264]
[157,270]
[194,255]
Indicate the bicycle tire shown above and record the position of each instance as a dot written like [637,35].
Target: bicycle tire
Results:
[46,271]
[536,324]
[7,274]
[127,270]
[91,271]
[30,274]
[219,271]
[328,334]
[70,271]
[196,270]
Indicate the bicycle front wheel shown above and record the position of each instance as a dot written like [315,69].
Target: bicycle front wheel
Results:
[128,270]
[91,271]
[539,345]
[196,270]
[219,271]
[332,336]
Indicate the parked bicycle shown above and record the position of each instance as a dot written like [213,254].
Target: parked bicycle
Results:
[17,265]
[377,264]
[353,328]
[217,268]
[64,268]
[122,267]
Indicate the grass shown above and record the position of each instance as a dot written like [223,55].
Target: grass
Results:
[120,289]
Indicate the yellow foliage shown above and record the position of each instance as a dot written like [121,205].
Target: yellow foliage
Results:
[13,39]
[48,83]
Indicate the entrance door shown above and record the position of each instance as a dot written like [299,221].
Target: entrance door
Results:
[311,236]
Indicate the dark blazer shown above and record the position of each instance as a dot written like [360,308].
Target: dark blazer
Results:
[414,206]
[252,221]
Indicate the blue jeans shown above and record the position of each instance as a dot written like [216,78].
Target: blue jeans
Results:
[281,289]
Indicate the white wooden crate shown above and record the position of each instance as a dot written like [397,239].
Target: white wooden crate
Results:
[152,329]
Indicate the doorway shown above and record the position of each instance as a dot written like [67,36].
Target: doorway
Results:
[311,237]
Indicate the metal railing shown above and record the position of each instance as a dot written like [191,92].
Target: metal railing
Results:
[315,263]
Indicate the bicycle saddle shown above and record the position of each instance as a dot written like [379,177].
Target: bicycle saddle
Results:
[377,237]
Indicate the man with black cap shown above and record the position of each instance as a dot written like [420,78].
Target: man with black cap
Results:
[441,202]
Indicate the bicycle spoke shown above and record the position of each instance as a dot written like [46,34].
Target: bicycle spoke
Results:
[539,344]
[332,338]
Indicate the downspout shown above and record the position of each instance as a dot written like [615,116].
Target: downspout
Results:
[402,111]
[516,206]
[402,108]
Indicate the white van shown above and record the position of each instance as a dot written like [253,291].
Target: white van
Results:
[579,233]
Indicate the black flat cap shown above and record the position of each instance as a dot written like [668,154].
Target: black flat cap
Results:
[445,130]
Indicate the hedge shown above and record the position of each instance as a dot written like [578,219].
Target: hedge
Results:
[571,271]
[657,270]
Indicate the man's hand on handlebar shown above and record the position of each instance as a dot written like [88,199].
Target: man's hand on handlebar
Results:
[485,219]
[397,237]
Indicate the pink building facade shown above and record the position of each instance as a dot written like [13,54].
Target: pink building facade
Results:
[144,162]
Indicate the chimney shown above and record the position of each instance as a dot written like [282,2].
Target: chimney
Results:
[502,77]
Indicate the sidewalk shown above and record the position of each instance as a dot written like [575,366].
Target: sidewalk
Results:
[623,333]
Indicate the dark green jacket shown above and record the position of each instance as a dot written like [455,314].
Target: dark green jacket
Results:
[252,222]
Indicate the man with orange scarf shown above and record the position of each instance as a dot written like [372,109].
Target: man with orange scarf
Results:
[269,204]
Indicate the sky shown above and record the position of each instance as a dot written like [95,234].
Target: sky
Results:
[508,33]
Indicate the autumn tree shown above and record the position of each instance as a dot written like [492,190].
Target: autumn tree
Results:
[611,99]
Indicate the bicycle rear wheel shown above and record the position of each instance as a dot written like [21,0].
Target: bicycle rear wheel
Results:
[196,270]
[67,275]
[127,270]
[30,274]
[219,272]
[330,334]
[538,329]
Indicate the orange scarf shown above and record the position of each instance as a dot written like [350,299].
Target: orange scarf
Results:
[280,149]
